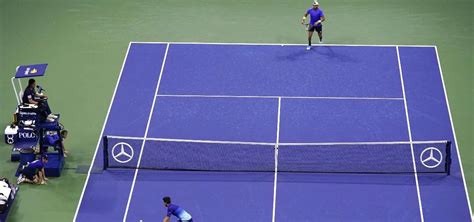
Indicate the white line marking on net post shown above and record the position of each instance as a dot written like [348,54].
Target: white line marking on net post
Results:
[146,134]
[410,136]
[274,44]
[454,133]
[101,133]
[283,97]
[276,161]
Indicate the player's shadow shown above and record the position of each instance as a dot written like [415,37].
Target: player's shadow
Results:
[323,52]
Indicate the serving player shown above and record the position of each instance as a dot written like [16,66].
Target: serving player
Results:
[315,24]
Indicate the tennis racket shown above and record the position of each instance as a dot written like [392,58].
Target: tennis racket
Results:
[306,26]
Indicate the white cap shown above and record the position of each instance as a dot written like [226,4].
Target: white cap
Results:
[315,3]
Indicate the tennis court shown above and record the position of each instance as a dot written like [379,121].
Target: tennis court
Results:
[248,99]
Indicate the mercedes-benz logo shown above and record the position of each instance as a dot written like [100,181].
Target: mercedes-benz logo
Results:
[431,157]
[122,152]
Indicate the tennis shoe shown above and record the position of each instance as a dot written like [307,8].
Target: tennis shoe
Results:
[308,48]
[20,180]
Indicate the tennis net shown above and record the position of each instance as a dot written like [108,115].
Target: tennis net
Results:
[198,155]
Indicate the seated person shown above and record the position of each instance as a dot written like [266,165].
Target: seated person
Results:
[58,141]
[34,172]
[30,96]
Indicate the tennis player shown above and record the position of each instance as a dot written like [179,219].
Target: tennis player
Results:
[175,210]
[315,24]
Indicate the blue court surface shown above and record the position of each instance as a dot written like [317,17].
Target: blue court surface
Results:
[273,95]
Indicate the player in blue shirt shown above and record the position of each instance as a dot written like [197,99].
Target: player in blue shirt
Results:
[57,141]
[315,23]
[175,210]
[34,172]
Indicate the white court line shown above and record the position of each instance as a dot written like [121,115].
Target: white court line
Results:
[277,44]
[276,161]
[146,134]
[190,140]
[454,134]
[101,133]
[363,143]
[410,137]
[279,97]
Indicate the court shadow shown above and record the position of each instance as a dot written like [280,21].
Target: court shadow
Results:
[312,178]
[377,179]
[317,52]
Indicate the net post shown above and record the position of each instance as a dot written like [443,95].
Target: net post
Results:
[448,158]
[105,147]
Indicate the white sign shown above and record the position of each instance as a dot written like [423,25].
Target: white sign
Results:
[27,135]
